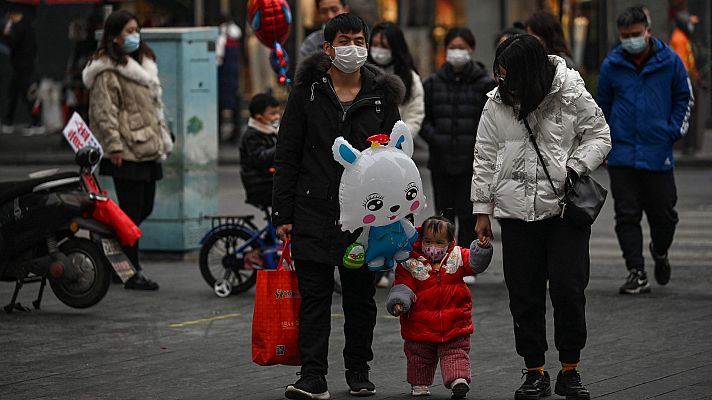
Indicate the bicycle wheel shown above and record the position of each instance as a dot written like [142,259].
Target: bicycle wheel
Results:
[219,259]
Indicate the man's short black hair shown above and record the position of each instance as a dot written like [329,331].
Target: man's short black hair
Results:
[260,102]
[318,2]
[345,23]
[632,16]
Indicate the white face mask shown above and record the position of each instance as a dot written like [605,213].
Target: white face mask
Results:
[349,58]
[381,56]
[458,57]
[275,125]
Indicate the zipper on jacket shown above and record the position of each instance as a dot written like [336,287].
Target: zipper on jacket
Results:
[343,115]
[440,297]
[311,98]
[377,102]
[343,112]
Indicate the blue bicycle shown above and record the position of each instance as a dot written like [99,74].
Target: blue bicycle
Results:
[234,249]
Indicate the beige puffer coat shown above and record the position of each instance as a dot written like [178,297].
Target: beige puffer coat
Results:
[508,180]
[125,108]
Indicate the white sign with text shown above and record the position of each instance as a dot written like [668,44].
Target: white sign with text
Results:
[78,134]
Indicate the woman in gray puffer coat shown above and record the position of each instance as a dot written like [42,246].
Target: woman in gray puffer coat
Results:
[126,115]
[509,182]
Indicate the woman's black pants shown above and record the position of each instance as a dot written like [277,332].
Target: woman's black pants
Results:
[536,252]
[453,191]
[136,199]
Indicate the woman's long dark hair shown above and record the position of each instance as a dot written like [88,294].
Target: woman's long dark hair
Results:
[112,29]
[402,60]
[545,25]
[529,73]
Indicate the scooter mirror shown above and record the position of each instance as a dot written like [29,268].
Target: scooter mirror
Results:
[87,157]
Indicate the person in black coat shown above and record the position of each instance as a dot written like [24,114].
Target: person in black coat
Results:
[454,98]
[257,148]
[18,33]
[334,95]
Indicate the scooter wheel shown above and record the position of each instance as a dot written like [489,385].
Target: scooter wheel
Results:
[94,277]
[222,288]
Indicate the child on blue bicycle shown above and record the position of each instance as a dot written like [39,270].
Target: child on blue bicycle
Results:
[257,149]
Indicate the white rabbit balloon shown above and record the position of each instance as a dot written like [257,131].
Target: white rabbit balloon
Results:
[380,186]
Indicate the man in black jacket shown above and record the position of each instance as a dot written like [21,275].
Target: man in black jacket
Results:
[18,34]
[335,94]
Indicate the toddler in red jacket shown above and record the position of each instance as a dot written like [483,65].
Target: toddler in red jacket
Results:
[435,306]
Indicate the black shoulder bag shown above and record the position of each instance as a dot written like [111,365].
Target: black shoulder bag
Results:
[582,202]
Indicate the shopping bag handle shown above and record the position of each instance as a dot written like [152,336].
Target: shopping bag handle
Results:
[285,258]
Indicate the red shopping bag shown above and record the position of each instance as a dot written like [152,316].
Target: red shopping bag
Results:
[275,321]
[109,213]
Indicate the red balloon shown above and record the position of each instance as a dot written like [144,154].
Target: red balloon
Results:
[271,20]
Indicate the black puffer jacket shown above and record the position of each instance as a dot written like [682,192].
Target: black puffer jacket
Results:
[453,105]
[257,151]
[306,183]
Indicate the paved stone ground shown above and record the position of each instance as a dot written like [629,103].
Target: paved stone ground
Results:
[182,342]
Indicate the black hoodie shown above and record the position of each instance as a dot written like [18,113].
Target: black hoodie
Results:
[453,105]
[306,183]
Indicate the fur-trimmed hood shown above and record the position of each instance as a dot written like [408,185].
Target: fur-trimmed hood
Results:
[311,71]
[145,73]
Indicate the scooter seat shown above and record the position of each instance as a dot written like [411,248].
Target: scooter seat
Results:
[10,190]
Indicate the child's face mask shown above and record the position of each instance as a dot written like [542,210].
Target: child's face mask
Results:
[435,252]
[435,244]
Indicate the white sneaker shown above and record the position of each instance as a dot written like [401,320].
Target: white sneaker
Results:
[34,131]
[7,129]
[384,282]
[419,391]
[470,280]
[459,388]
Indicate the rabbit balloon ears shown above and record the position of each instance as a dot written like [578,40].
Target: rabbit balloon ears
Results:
[400,138]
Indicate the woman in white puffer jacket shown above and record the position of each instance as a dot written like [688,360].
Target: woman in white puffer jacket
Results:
[509,183]
[389,50]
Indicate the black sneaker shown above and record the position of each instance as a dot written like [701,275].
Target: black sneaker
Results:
[569,384]
[140,282]
[636,283]
[308,387]
[535,386]
[359,384]
[662,267]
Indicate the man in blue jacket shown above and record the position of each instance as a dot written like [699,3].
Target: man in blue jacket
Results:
[646,96]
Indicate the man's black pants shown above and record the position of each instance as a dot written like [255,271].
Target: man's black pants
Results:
[453,191]
[534,252]
[136,199]
[20,83]
[635,191]
[316,286]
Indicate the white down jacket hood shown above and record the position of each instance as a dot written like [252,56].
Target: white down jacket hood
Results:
[508,180]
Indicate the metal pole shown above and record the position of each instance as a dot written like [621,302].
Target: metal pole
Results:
[199,11]
[602,30]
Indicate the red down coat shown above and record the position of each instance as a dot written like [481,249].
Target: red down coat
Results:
[442,308]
